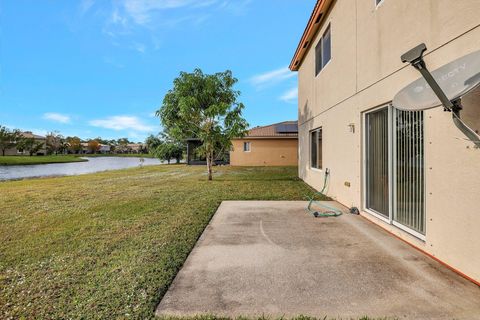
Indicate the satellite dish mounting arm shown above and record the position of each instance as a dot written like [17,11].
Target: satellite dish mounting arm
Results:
[415,58]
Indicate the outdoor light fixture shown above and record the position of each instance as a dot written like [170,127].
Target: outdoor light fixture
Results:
[445,86]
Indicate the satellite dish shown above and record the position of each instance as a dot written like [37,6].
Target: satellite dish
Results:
[456,79]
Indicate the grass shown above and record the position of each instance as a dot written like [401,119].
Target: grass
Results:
[108,245]
[27,160]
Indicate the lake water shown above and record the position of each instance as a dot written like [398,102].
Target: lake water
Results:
[73,168]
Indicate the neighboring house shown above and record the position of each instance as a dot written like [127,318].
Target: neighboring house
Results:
[84,146]
[136,148]
[273,145]
[28,134]
[411,172]
[103,148]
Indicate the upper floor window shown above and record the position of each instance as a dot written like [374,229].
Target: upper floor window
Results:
[323,51]
[246,146]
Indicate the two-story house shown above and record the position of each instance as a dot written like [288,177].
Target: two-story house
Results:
[411,172]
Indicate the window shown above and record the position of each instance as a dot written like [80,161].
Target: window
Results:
[316,149]
[323,51]
[246,147]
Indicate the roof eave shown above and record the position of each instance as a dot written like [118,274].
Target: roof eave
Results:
[316,20]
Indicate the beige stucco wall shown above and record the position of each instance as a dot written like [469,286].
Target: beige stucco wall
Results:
[265,152]
[366,72]
[15,152]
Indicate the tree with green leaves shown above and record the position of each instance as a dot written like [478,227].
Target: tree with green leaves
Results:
[54,142]
[31,145]
[122,145]
[63,147]
[204,106]
[169,150]
[93,146]
[8,138]
[74,144]
[153,142]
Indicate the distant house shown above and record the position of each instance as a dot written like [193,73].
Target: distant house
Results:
[28,134]
[136,148]
[84,146]
[103,148]
[272,145]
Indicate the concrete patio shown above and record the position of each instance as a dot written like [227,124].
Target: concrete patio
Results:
[270,257]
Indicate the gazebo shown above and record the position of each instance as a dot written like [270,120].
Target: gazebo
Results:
[194,157]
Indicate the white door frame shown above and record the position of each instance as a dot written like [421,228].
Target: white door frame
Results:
[391,171]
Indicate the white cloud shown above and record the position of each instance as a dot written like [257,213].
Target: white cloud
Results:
[85,5]
[271,77]
[139,47]
[117,18]
[128,18]
[57,117]
[236,7]
[290,96]
[122,123]
[141,10]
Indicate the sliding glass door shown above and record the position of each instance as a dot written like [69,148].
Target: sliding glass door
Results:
[377,173]
[394,167]
[409,170]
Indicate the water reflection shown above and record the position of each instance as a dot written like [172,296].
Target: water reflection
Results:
[74,168]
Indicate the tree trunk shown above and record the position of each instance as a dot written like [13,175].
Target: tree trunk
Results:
[209,166]
[3,152]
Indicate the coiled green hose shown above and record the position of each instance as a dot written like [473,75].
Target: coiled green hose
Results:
[330,212]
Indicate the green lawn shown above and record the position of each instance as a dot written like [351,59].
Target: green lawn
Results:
[107,245]
[25,160]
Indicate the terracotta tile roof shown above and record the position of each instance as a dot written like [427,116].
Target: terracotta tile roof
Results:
[275,130]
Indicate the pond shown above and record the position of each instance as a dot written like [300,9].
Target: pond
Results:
[73,168]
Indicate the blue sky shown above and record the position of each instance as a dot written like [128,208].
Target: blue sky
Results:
[101,68]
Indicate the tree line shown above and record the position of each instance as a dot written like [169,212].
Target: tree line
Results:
[56,143]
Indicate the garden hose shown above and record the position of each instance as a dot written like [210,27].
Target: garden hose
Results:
[330,211]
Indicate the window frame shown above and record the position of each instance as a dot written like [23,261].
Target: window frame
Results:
[319,155]
[378,3]
[320,50]
[391,171]
[247,143]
